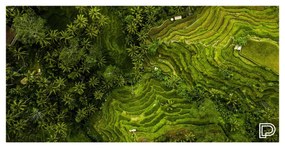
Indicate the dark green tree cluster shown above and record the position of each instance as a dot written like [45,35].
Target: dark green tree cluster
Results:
[241,38]
[56,78]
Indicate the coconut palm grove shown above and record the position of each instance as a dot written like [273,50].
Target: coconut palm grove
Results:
[141,73]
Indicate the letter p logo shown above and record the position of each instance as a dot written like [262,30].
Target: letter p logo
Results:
[262,133]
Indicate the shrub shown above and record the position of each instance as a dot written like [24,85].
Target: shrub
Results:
[241,39]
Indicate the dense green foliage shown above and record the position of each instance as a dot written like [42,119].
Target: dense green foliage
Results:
[64,61]
[94,73]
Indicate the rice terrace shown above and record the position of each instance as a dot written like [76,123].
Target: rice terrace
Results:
[141,74]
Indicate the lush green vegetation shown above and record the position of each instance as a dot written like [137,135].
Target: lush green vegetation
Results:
[130,74]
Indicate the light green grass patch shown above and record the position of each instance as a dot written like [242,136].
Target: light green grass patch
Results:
[264,53]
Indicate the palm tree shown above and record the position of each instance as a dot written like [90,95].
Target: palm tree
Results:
[43,42]
[142,36]
[41,93]
[71,28]
[132,28]
[129,40]
[98,95]
[53,35]
[16,91]
[65,35]
[151,19]
[57,85]
[59,82]
[10,73]
[81,114]
[121,81]
[138,58]
[10,118]
[232,101]
[36,114]
[61,129]
[93,81]
[51,110]
[78,88]
[61,116]
[19,126]
[18,106]
[138,75]
[86,44]
[58,132]
[102,20]
[136,10]
[64,67]
[49,59]
[91,109]
[68,100]
[101,61]
[189,137]
[133,50]
[92,31]
[18,53]
[94,13]
[138,19]
[73,75]
[81,9]
[81,21]
[42,102]
[108,85]
[137,65]
[143,49]
[170,104]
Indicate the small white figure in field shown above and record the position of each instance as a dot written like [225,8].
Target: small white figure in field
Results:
[238,47]
[132,130]
[178,17]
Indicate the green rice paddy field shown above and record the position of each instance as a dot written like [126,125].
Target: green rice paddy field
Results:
[236,89]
